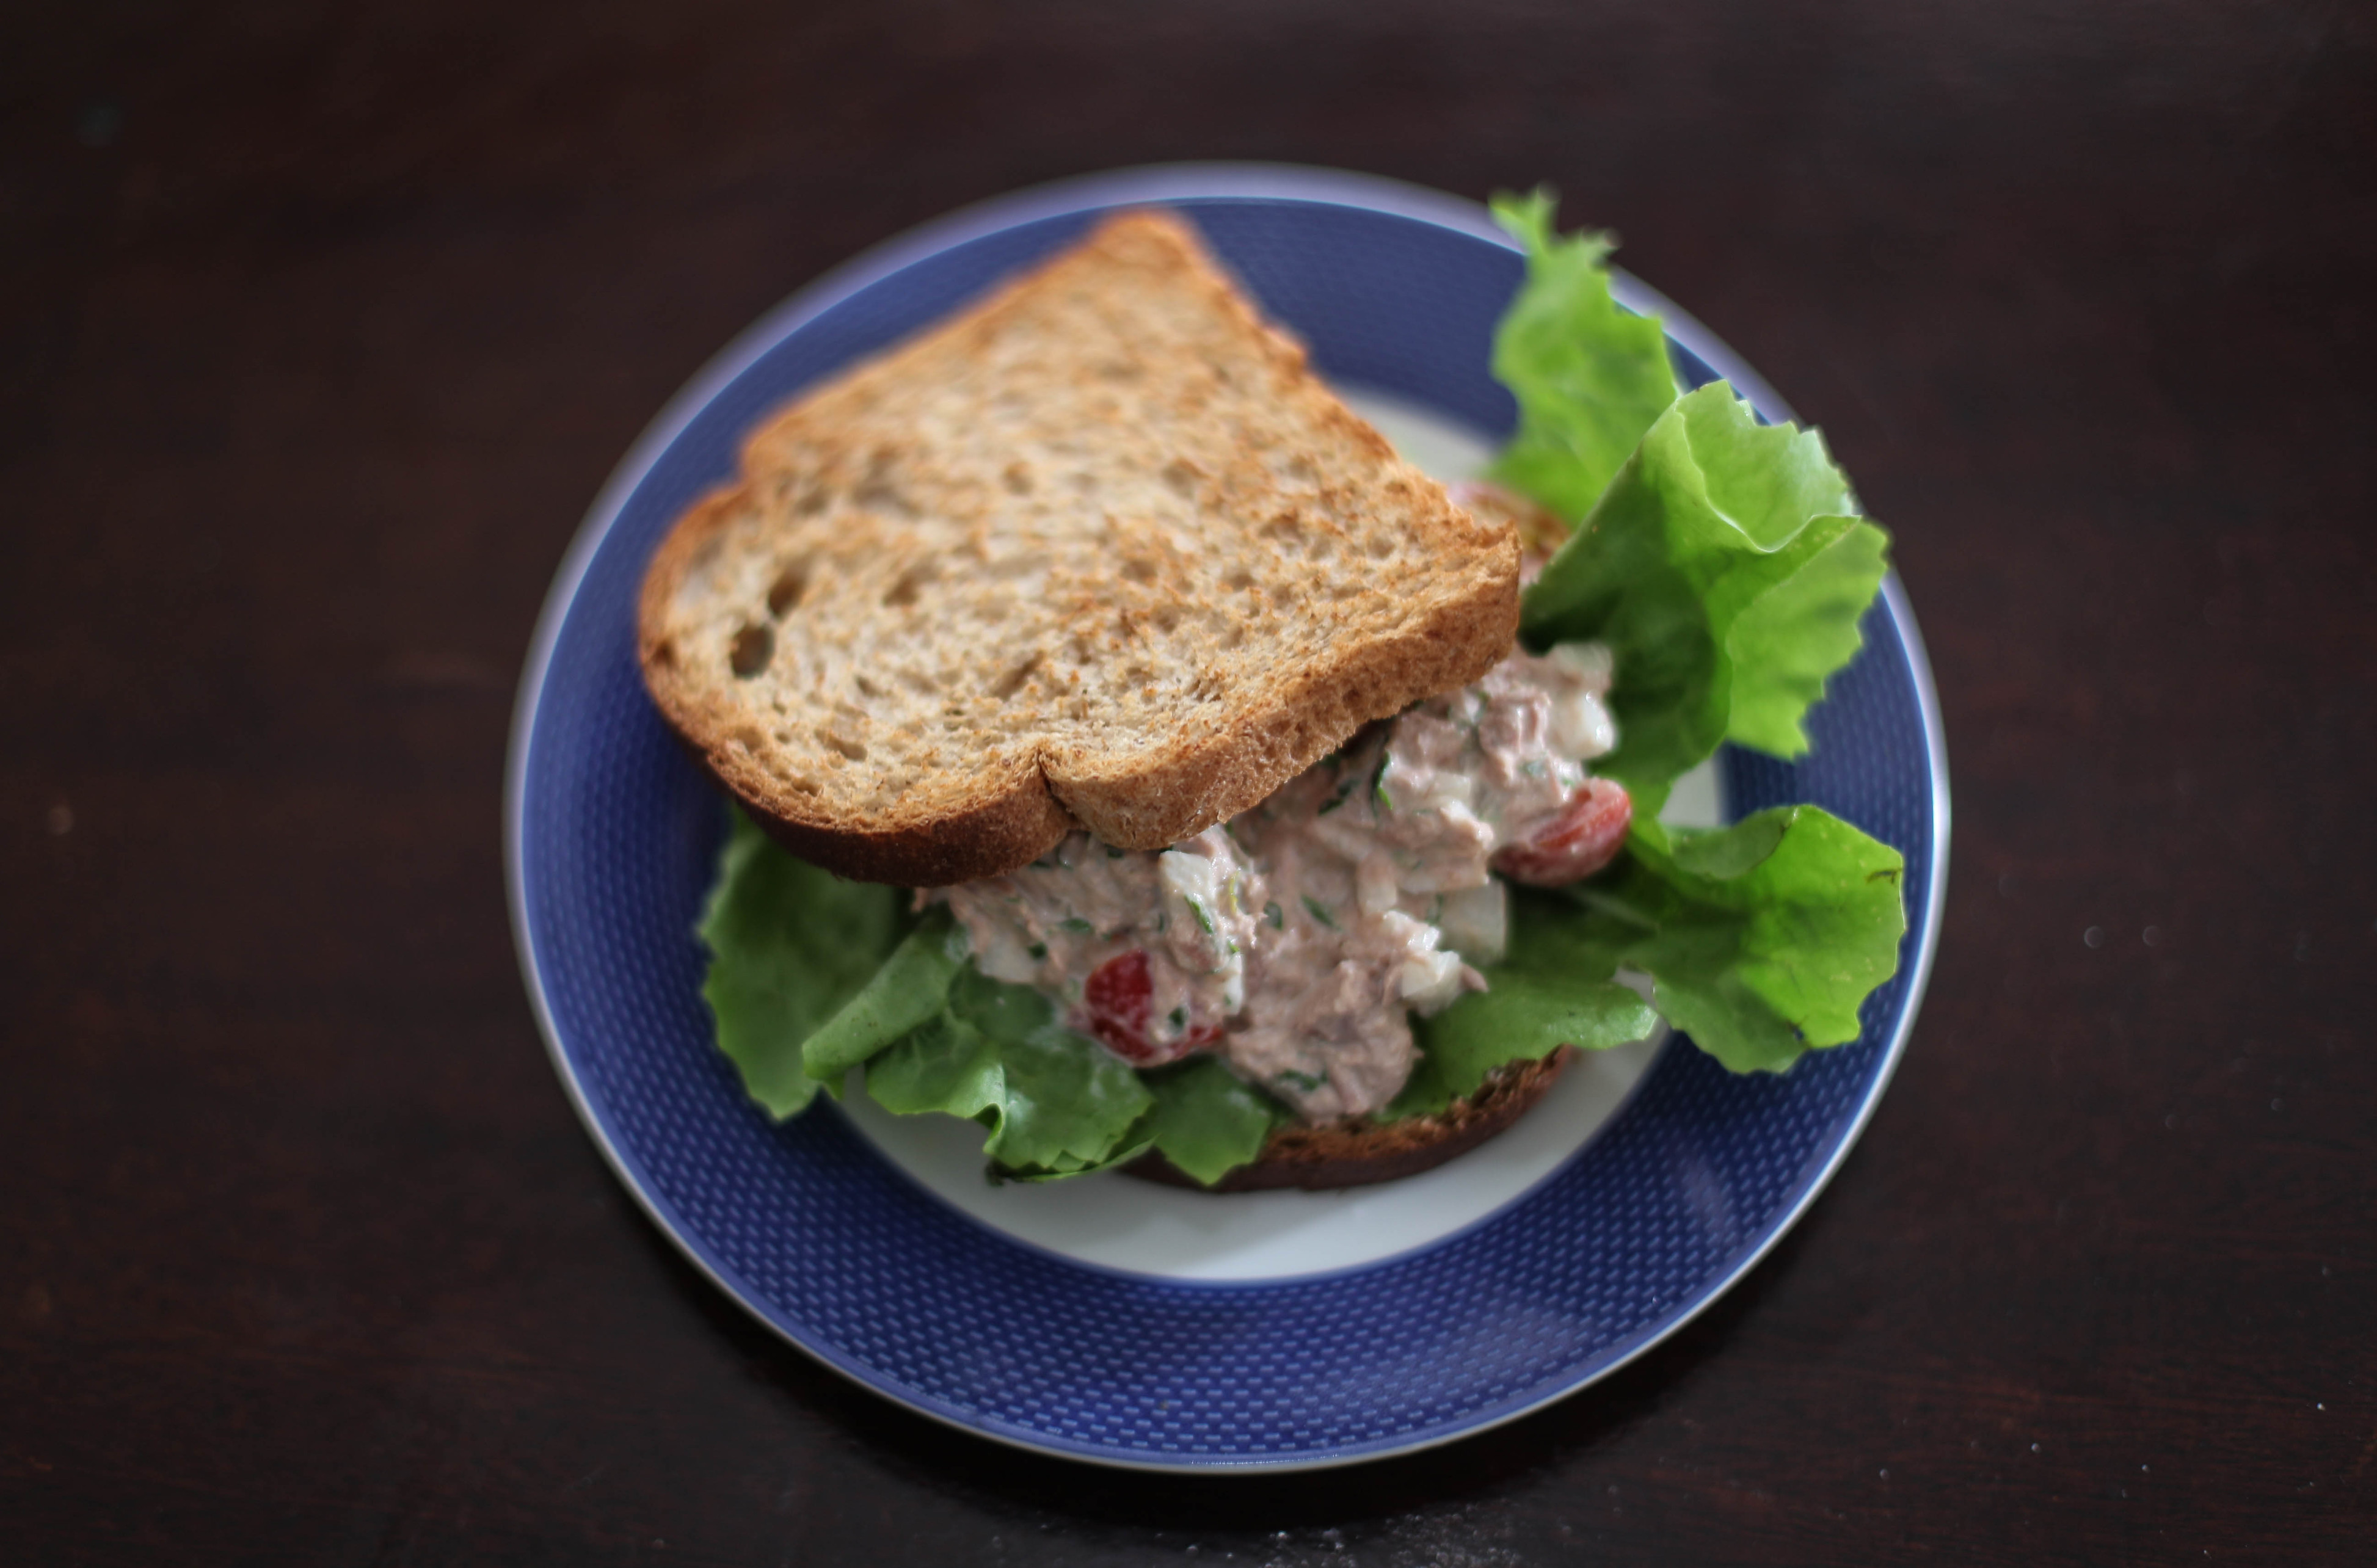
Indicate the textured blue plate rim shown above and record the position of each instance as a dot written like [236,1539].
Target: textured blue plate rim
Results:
[1145,185]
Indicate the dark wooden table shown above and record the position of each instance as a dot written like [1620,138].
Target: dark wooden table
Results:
[318,332]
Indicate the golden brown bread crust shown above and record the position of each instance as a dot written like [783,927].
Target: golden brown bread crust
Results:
[1007,827]
[1356,1154]
[1245,576]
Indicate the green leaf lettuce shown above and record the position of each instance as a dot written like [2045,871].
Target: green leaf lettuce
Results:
[1725,569]
[790,945]
[1055,1103]
[1590,377]
[908,990]
[1762,939]
[1545,994]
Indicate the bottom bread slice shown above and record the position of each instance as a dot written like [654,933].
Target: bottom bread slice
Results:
[1356,1153]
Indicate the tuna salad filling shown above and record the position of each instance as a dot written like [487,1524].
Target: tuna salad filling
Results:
[1294,941]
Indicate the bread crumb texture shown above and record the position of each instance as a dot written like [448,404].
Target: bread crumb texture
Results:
[1101,551]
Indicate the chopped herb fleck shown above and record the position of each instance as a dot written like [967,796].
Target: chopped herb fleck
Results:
[1271,913]
[1075,923]
[1204,917]
[1179,1017]
[1319,911]
[1379,781]
[1038,950]
[1306,1082]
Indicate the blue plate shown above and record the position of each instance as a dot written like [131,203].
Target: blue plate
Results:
[611,834]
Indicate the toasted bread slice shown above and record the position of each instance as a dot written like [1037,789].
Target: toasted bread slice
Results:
[1357,1153]
[1100,551]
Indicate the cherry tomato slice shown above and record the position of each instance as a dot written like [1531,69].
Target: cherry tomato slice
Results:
[1118,998]
[1118,1004]
[1584,837]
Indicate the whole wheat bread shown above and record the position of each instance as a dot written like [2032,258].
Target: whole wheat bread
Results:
[1099,551]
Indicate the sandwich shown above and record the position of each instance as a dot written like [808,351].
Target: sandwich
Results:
[1131,753]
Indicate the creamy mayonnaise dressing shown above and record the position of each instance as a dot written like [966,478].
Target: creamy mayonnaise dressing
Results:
[1294,941]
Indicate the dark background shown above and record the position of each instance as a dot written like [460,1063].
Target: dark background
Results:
[319,329]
